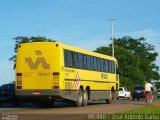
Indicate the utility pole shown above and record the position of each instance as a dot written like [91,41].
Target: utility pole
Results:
[112,19]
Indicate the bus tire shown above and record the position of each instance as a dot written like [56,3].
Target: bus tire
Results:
[45,103]
[108,101]
[85,98]
[79,101]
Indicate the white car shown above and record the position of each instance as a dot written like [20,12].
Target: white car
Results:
[124,93]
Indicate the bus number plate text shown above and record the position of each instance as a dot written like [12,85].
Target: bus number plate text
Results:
[43,74]
[104,76]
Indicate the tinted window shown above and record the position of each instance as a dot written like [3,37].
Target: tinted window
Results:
[83,61]
[88,62]
[95,63]
[74,59]
[126,89]
[106,66]
[98,64]
[92,64]
[7,87]
[80,63]
[139,88]
[109,66]
[68,58]
[102,65]
[112,67]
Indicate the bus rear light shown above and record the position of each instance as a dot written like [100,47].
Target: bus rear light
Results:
[55,73]
[18,74]
[19,81]
[19,87]
[55,87]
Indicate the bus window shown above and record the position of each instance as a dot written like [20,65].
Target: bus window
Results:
[98,64]
[76,57]
[95,63]
[84,61]
[102,65]
[68,58]
[65,57]
[106,64]
[92,64]
[73,59]
[113,67]
[109,66]
[88,62]
[80,64]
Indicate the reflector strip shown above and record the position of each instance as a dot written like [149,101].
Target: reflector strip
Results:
[76,82]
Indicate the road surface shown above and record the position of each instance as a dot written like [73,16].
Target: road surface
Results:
[64,112]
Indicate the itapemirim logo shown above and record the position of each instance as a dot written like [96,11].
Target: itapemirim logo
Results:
[40,60]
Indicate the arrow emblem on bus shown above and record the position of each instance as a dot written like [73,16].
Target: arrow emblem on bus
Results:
[40,60]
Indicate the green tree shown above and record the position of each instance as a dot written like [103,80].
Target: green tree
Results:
[23,39]
[136,60]
[157,85]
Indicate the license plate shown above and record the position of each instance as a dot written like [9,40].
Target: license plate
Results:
[36,93]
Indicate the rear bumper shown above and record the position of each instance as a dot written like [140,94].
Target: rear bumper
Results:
[158,94]
[51,94]
[138,95]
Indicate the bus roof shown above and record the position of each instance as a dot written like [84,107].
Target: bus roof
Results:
[76,49]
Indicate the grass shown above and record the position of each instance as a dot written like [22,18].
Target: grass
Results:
[151,112]
[151,109]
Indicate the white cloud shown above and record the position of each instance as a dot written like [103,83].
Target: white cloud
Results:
[150,35]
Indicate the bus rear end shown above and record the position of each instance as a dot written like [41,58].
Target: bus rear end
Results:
[37,70]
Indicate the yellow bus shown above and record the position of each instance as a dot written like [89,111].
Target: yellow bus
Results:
[51,71]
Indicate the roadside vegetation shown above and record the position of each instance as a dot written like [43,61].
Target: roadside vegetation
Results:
[151,109]
[136,60]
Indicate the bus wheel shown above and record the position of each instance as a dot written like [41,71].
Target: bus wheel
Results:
[78,103]
[108,101]
[45,103]
[85,98]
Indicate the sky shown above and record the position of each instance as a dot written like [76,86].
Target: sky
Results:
[81,23]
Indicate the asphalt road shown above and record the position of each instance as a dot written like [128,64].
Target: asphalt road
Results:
[62,111]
